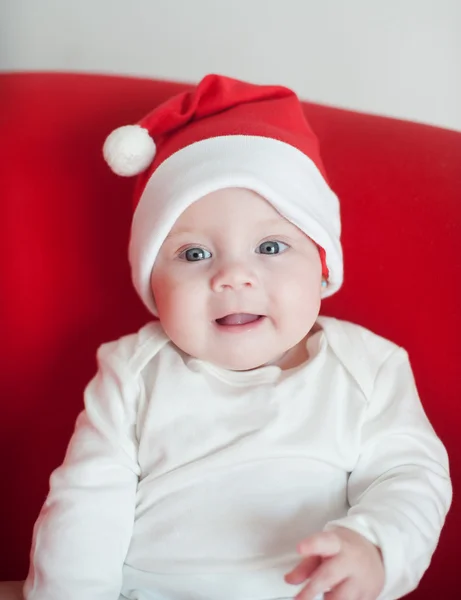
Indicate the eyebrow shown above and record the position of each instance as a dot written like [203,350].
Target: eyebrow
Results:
[275,222]
[178,232]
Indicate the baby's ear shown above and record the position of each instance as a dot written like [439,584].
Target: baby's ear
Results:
[153,308]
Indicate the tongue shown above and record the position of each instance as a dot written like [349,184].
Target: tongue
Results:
[237,319]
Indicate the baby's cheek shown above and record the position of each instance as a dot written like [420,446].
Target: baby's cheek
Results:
[183,308]
[300,304]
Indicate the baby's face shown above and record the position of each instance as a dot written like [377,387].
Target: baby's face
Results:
[235,283]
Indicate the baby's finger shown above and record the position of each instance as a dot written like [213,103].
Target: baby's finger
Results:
[325,544]
[327,576]
[345,590]
[303,570]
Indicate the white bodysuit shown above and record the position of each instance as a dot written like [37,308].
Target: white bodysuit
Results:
[186,481]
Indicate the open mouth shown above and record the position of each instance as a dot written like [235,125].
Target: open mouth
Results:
[238,319]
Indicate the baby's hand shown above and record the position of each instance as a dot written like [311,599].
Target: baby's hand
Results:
[340,562]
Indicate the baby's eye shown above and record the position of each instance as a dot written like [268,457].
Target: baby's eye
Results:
[271,247]
[194,254]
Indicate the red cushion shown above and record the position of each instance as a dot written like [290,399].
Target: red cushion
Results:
[65,284]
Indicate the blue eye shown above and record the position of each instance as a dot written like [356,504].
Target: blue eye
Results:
[195,254]
[271,247]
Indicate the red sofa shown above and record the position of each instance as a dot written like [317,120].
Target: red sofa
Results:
[65,285]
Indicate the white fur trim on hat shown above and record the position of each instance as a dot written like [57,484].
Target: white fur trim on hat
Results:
[129,150]
[277,171]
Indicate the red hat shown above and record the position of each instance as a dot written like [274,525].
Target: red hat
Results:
[224,133]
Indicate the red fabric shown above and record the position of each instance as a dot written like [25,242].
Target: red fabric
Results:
[220,106]
[65,285]
[323,259]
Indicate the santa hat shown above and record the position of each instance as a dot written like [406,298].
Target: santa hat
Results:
[224,133]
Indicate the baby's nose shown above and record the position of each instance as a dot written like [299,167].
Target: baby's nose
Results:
[233,277]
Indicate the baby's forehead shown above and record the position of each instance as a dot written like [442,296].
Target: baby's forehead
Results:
[227,206]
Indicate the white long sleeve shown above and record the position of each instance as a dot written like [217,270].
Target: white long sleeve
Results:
[399,490]
[83,532]
[184,476]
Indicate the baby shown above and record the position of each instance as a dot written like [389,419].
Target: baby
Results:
[240,447]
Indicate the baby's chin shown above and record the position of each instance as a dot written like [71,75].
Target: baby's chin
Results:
[243,363]
[287,357]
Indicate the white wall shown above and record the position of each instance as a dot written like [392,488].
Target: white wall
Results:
[393,57]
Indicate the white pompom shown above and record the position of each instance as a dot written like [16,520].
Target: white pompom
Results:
[129,150]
